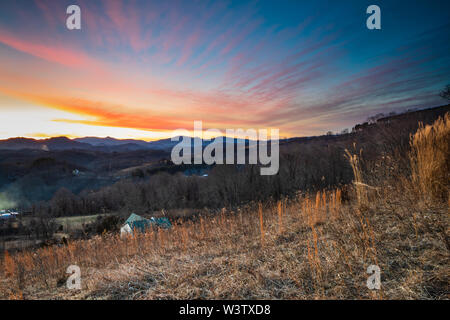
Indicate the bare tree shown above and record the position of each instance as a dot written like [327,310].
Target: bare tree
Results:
[446,92]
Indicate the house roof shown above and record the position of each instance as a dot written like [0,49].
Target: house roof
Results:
[141,225]
[134,217]
[137,222]
[162,222]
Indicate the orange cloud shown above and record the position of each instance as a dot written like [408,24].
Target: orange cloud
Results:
[103,114]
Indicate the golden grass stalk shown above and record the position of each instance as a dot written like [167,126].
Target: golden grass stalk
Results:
[280,217]
[361,191]
[429,157]
[9,265]
[261,223]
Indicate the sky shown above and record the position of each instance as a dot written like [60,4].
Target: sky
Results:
[141,69]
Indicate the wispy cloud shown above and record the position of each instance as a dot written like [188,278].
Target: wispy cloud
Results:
[156,65]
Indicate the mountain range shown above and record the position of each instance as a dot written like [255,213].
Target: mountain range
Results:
[110,144]
[107,144]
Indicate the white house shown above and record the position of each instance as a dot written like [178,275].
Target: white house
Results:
[126,229]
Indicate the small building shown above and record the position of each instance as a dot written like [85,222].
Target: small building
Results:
[137,223]
[7,214]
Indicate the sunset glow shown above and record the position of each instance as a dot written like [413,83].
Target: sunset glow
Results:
[141,69]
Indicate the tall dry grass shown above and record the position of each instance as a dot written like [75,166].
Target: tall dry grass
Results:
[321,251]
[279,231]
[429,156]
[360,186]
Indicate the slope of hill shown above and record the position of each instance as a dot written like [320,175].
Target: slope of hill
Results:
[110,142]
[58,143]
[311,246]
[107,144]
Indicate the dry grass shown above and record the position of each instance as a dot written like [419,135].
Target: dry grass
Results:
[360,186]
[321,252]
[311,246]
[430,153]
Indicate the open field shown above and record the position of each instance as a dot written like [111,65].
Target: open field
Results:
[77,221]
[20,243]
[312,247]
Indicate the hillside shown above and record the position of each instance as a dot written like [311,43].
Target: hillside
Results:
[313,245]
[303,164]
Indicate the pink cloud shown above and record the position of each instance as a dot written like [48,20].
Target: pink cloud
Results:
[55,54]
[48,10]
